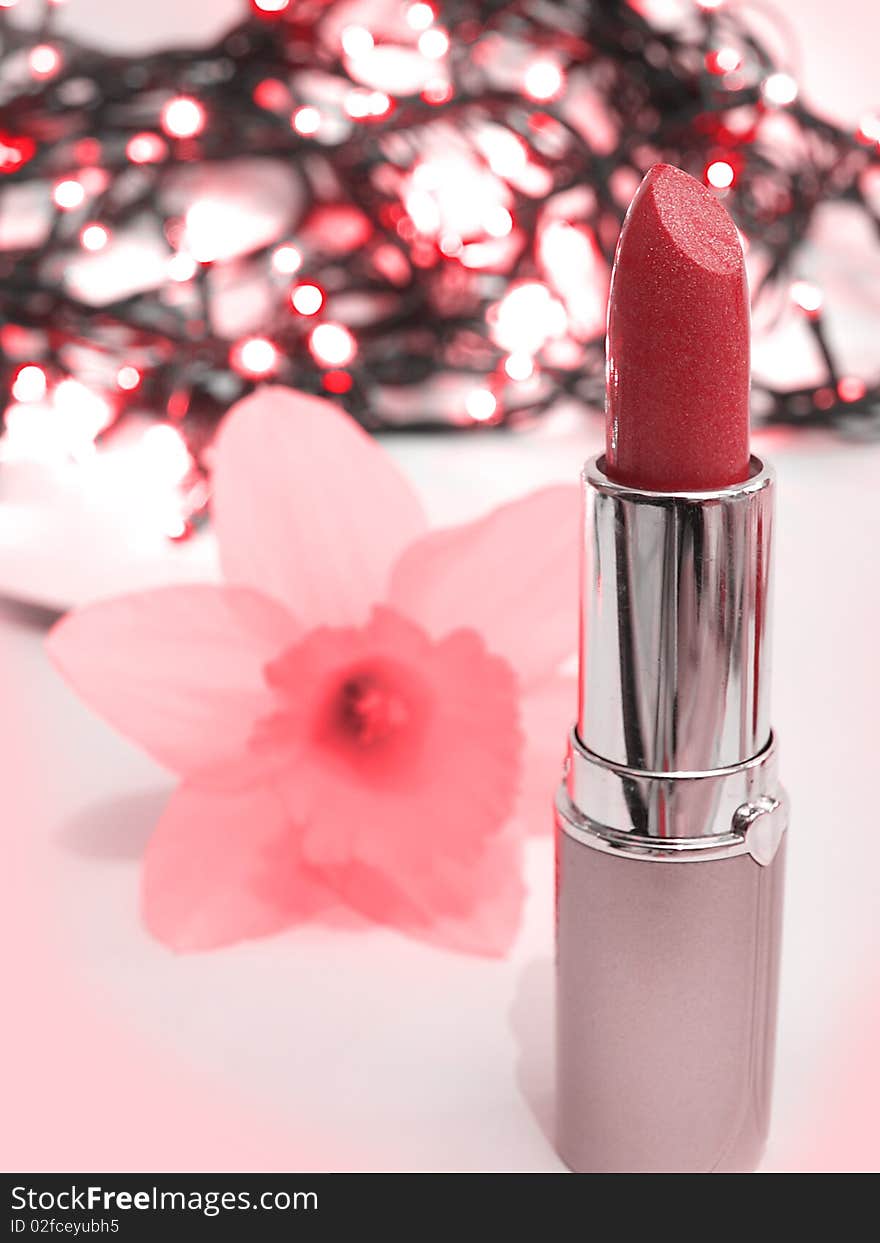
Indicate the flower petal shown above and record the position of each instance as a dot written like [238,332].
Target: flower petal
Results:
[511,575]
[478,914]
[308,507]
[222,868]
[548,713]
[178,670]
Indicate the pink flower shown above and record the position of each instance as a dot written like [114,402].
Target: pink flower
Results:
[346,711]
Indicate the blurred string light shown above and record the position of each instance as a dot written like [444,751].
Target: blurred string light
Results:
[306,299]
[720,175]
[256,358]
[44,60]
[183,117]
[463,171]
[29,383]
[94,237]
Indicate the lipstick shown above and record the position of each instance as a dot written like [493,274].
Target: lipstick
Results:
[678,341]
[670,818]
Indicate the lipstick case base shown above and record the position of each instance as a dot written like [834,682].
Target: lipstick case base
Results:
[667,981]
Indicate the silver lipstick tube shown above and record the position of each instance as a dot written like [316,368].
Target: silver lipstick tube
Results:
[667,976]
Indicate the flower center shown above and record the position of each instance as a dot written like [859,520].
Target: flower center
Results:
[370,710]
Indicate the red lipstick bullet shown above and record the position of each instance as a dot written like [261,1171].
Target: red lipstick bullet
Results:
[678,341]
[671,822]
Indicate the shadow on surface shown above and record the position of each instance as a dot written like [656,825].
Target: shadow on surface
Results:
[28,615]
[532,1024]
[117,829]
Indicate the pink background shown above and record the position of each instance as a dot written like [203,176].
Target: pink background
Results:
[335,1050]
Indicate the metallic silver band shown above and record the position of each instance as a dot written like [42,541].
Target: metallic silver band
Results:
[674,817]
[676,613]
[673,757]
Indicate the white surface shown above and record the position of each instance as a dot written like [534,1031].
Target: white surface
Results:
[346,1049]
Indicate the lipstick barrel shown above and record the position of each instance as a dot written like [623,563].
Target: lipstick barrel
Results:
[675,617]
[670,827]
